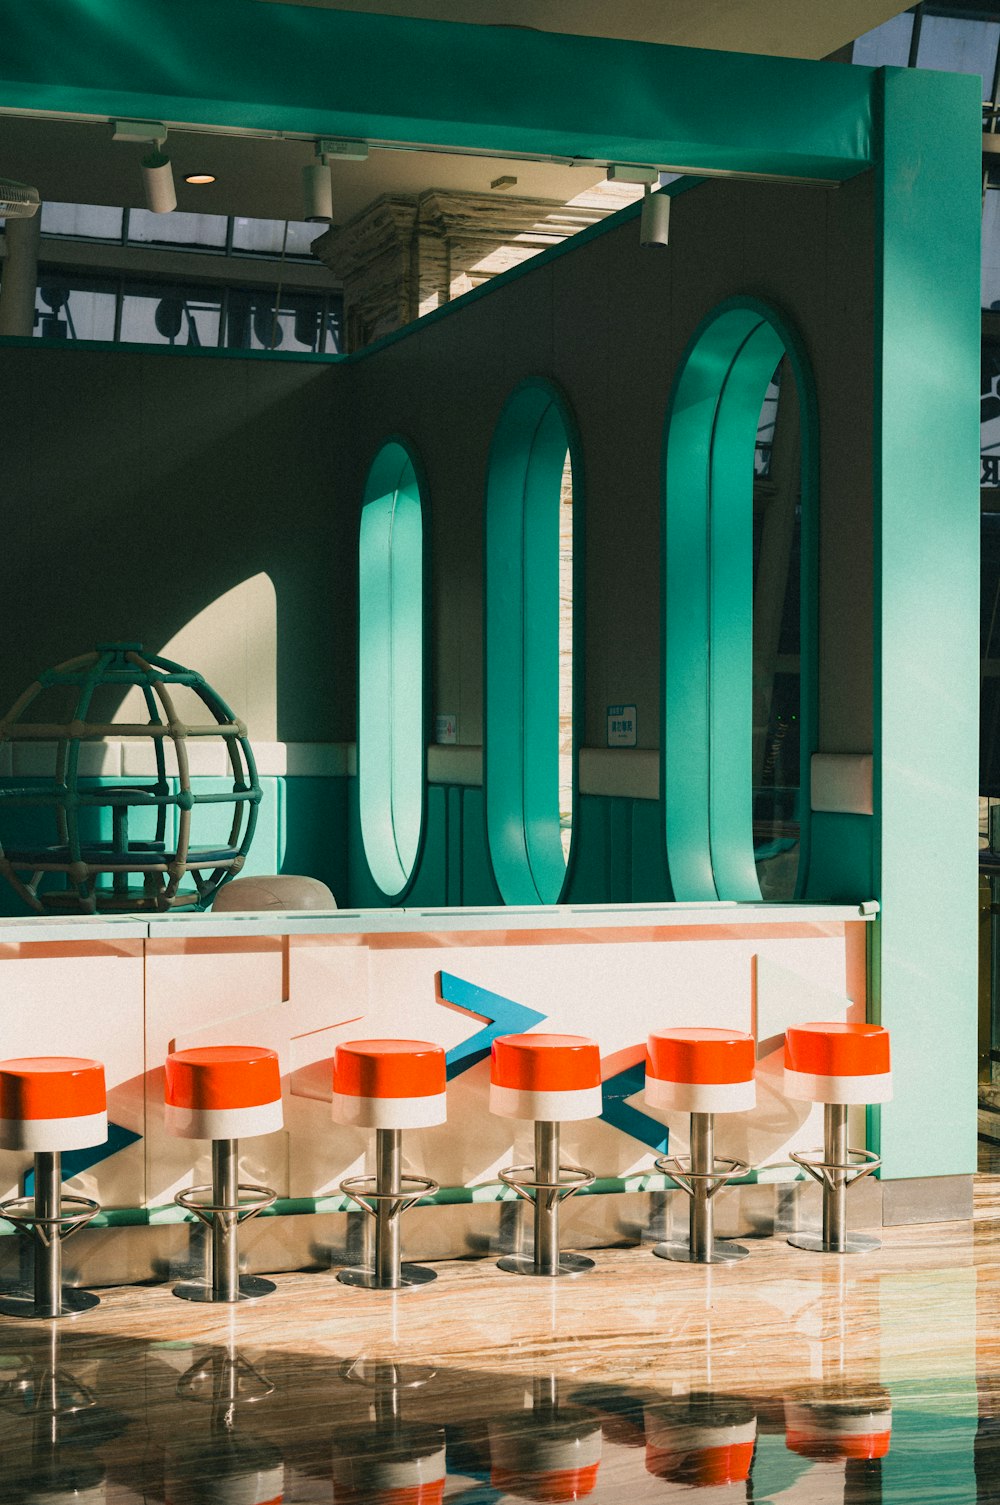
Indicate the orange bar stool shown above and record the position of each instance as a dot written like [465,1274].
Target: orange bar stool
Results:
[550,1453]
[550,1079]
[837,1065]
[701,1071]
[388,1086]
[49,1104]
[837,1423]
[701,1440]
[224,1093]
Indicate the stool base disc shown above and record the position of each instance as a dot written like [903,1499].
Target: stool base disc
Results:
[73,1303]
[365,1276]
[524,1264]
[252,1287]
[856,1243]
[722,1252]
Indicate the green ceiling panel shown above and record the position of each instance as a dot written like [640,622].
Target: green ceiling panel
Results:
[503,89]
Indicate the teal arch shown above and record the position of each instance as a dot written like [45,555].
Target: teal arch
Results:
[707,596]
[391,699]
[534,433]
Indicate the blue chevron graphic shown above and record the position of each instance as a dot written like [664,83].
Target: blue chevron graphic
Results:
[617,1112]
[502,1015]
[75,1162]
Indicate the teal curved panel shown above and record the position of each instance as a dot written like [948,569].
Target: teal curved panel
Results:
[391,732]
[522,569]
[710,435]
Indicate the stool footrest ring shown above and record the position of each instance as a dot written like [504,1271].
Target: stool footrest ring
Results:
[723,1171]
[20,1211]
[523,1180]
[826,1171]
[259,1198]
[363,1190]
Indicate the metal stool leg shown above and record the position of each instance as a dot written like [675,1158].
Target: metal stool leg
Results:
[47,1223]
[391,1199]
[550,1191]
[701,1181]
[835,1173]
[223,1216]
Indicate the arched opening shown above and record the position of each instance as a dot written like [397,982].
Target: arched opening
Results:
[391,731]
[532,648]
[738,594]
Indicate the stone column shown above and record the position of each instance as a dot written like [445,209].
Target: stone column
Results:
[19,275]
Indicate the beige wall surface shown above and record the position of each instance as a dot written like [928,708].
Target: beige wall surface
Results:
[608,321]
[187,503]
[210,506]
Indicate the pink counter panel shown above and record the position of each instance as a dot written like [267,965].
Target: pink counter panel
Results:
[129,991]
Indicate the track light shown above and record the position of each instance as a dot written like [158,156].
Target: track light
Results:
[157,173]
[654,227]
[317,189]
[158,182]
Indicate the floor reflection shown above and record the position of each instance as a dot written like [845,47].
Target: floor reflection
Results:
[103,1420]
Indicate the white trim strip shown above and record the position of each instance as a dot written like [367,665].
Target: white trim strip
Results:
[806,1088]
[224,1123]
[700,1097]
[45,1135]
[670,1438]
[389,1112]
[545,1107]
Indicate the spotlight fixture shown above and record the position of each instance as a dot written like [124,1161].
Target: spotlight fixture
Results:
[317,189]
[157,173]
[17,200]
[199,177]
[654,226]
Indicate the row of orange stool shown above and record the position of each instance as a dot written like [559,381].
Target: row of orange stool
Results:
[224,1093]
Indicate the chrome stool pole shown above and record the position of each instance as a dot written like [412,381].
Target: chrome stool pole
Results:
[552,1184]
[700,1177]
[223,1216]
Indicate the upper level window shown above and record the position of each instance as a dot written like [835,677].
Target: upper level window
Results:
[531,517]
[391,732]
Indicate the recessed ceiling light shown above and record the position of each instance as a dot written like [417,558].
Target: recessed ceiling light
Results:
[199,177]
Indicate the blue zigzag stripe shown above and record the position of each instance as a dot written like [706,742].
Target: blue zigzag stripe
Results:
[617,1112]
[502,1015]
[75,1162]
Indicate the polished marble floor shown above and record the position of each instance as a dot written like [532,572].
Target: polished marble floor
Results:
[789,1378]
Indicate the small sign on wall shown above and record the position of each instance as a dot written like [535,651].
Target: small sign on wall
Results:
[445,729]
[621,725]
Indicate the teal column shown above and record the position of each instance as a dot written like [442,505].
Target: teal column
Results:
[926,475]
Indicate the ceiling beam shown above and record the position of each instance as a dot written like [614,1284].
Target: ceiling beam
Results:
[238,64]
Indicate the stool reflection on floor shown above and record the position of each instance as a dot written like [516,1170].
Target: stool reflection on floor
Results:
[49,1104]
[701,1071]
[388,1086]
[550,1079]
[224,1093]
[837,1064]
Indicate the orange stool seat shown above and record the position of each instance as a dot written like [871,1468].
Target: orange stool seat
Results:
[701,1070]
[389,1084]
[552,1461]
[700,1441]
[52,1103]
[837,1063]
[223,1092]
[546,1078]
[839,1427]
[411,1471]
